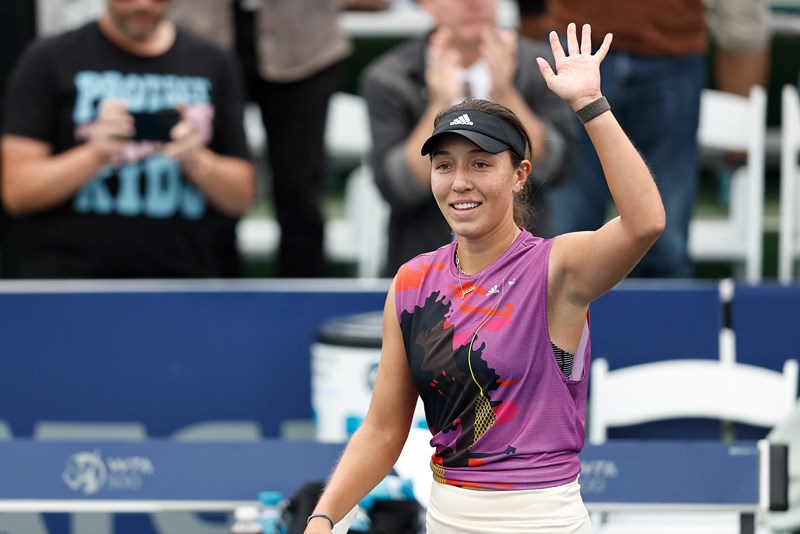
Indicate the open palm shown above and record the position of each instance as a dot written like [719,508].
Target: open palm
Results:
[576,79]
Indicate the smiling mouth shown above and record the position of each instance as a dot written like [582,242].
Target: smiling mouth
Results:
[465,205]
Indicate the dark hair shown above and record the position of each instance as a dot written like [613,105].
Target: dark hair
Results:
[523,211]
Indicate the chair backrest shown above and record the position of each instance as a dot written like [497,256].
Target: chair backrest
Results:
[368,213]
[679,389]
[82,430]
[360,235]
[347,130]
[254,130]
[764,317]
[789,228]
[357,237]
[636,322]
[731,122]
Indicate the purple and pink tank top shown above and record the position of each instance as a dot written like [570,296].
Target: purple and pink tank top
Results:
[501,412]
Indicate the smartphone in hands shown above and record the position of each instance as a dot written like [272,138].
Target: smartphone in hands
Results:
[155,126]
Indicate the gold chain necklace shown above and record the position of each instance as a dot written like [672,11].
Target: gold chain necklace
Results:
[470,289]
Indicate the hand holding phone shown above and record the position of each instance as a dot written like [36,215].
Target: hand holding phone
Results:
[112,128]
[155,126]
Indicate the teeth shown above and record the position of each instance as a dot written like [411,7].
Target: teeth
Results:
[465,205]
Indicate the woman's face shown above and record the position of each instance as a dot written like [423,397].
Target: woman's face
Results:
[473,188]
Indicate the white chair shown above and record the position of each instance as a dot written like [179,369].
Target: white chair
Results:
[789,227]
[220,430]
[254,130]
[358,236]
[733,122]
[677,389]
[347,132]
[347,135]
[361,235]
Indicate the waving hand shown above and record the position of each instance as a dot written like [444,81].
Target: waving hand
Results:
[577,76]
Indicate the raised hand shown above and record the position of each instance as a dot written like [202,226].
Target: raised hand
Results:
[577,76]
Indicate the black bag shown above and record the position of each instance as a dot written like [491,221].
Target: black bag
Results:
[387,516]
[300,506]
[396,517]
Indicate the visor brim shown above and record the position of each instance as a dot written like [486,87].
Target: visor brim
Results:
[484,142]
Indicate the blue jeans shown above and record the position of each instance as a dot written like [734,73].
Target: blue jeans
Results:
[657,102]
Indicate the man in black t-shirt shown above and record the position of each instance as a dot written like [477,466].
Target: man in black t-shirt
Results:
[17,29]
[124,153]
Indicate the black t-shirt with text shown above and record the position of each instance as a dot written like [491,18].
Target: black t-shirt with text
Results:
[139,217]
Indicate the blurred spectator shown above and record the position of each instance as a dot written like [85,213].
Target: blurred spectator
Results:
[293,54]
[533,19]
[654,75]
[466,55]
[97,193]
[57,16]
[741,31]
[365,5]
[212,19]
[17,29]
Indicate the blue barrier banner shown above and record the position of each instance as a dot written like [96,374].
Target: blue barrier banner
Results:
[184,359]
[695,473]
[198,473]
[651,473]
[165,356]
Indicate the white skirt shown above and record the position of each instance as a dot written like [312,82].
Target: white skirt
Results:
[454,510]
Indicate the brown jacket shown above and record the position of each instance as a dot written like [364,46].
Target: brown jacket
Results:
[650,27]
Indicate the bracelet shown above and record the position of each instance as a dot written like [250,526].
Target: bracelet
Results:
[593,109]
[326,516]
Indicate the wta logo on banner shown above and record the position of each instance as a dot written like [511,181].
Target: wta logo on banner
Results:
[89,472]
[596,475]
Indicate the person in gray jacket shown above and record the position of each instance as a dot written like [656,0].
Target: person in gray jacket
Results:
[466,55]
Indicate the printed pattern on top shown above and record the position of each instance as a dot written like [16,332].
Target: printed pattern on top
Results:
[480,356]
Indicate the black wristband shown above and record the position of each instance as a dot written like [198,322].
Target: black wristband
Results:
[593,109]
[326,516]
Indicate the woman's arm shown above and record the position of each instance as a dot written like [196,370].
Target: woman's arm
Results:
[584,265]
[374,448]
